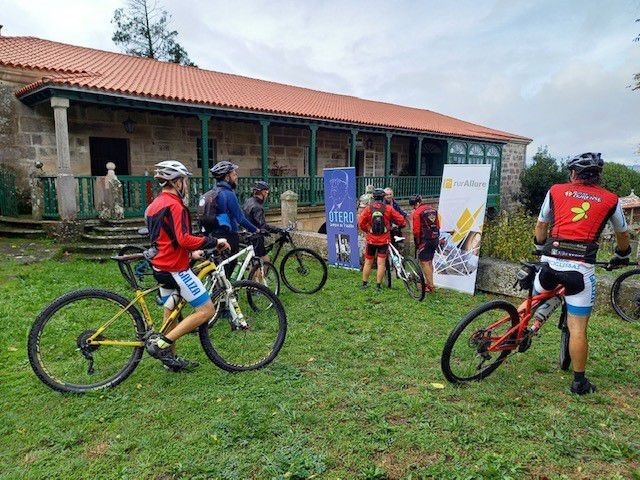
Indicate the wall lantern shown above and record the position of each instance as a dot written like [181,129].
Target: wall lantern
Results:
[129,125]
[368,144]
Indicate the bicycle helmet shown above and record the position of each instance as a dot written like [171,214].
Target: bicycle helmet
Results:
[586,161]
[414,200]
[259,186]
[378,194]
[220,169]
[170,170]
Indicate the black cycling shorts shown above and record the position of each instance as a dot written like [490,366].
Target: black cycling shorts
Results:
[373,250]
[428,250]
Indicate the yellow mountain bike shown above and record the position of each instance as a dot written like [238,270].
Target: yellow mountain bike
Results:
[91,339]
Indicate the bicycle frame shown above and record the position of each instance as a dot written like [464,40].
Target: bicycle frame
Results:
[285,237]
[506,341]
[203,269]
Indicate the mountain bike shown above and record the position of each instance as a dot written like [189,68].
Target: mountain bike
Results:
[92,339]
[302,270]
[483,339]
[625,295]
[406,269]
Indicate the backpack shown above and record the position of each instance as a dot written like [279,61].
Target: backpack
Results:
[378,225]
[429,230]
[209,218]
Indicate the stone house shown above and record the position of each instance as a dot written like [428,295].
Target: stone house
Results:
[65,111]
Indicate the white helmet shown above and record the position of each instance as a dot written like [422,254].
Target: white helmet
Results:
[170,170]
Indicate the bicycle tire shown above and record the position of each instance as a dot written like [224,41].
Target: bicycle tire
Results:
[387,271]
[415,276]
[43,319]
[445,361]
[630,294]
[272,277]
[275,305]
[295,255]
[564,358]
[142,266]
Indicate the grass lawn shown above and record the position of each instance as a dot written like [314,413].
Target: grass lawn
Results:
[355,393]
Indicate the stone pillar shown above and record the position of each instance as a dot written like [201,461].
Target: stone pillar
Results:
[65,183]
[289,208]
[108,195]
[37,191]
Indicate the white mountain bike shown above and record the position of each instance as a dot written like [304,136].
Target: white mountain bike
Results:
[406,269]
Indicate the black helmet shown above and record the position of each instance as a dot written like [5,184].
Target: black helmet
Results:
[259,185]
[414,200]
[586,161]
[378,194]
[220,169]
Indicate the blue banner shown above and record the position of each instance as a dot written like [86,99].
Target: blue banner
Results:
[342,220]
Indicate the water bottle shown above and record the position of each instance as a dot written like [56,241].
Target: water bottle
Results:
[545,310]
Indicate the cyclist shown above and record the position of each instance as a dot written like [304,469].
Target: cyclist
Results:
[396,230]
[169,225]
[577,212]
[220,211]
[254,210]
[426,234]
[376,220]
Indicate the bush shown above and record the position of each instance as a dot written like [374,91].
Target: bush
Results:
[509,237]
[536,180]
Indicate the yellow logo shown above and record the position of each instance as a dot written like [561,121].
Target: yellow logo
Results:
[448,183]
[581,211]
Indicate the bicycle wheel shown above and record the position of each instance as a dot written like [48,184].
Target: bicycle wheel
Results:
[267,276]
[625,295]
[57,343]
[466,356]
[564,360]
[413,278]
[388,272]
[303,271]
[141,268]
[237,349]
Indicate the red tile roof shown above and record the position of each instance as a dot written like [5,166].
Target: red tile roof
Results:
[87,68]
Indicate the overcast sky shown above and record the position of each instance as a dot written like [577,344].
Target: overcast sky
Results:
[558,72]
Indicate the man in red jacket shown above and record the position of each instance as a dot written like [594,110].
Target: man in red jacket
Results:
[426,233]
[375,220]
[169,226]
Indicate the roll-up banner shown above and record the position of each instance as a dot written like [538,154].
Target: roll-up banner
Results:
[341,217]
[463,200]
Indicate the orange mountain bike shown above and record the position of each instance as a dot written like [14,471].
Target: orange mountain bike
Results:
[483,339]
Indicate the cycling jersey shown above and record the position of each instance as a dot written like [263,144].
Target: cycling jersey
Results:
[577,214]
[221,211]
[169,225]
[390,216]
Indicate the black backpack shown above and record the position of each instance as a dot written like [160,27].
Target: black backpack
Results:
[378,226]
[207,211]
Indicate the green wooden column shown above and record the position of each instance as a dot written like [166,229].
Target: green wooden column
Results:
[352,149]
[387,158]
[313,166]
[418,163]
[204,150]
[264,151]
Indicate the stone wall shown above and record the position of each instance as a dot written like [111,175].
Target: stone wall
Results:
[513,161]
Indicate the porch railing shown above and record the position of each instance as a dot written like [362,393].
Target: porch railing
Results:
[139,191]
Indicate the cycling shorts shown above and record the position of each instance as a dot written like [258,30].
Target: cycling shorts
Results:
[185,283]
[578,278]
[373,250]
[427,250]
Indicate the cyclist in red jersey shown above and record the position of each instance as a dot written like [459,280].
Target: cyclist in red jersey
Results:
[426,234]
[173,244]
[576,213]
[376,220]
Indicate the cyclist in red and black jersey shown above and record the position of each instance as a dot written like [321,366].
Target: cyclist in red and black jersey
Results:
[169,225]
[577,213]
[376,220]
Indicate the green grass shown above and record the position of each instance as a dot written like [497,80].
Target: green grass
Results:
[351,395]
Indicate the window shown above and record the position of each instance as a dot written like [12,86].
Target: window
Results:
[476,154]
[458,153]
[493,157]
[213,154]
[373,163]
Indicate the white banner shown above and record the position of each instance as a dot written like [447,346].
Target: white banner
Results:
[463,200]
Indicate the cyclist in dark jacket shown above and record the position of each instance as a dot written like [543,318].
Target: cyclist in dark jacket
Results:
[254,210]
[219,209]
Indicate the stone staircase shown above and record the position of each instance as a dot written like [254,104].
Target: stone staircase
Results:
[21,228]
[105,239]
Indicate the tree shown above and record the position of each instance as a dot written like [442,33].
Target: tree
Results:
[620,179]
[142,29]
[538,178]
